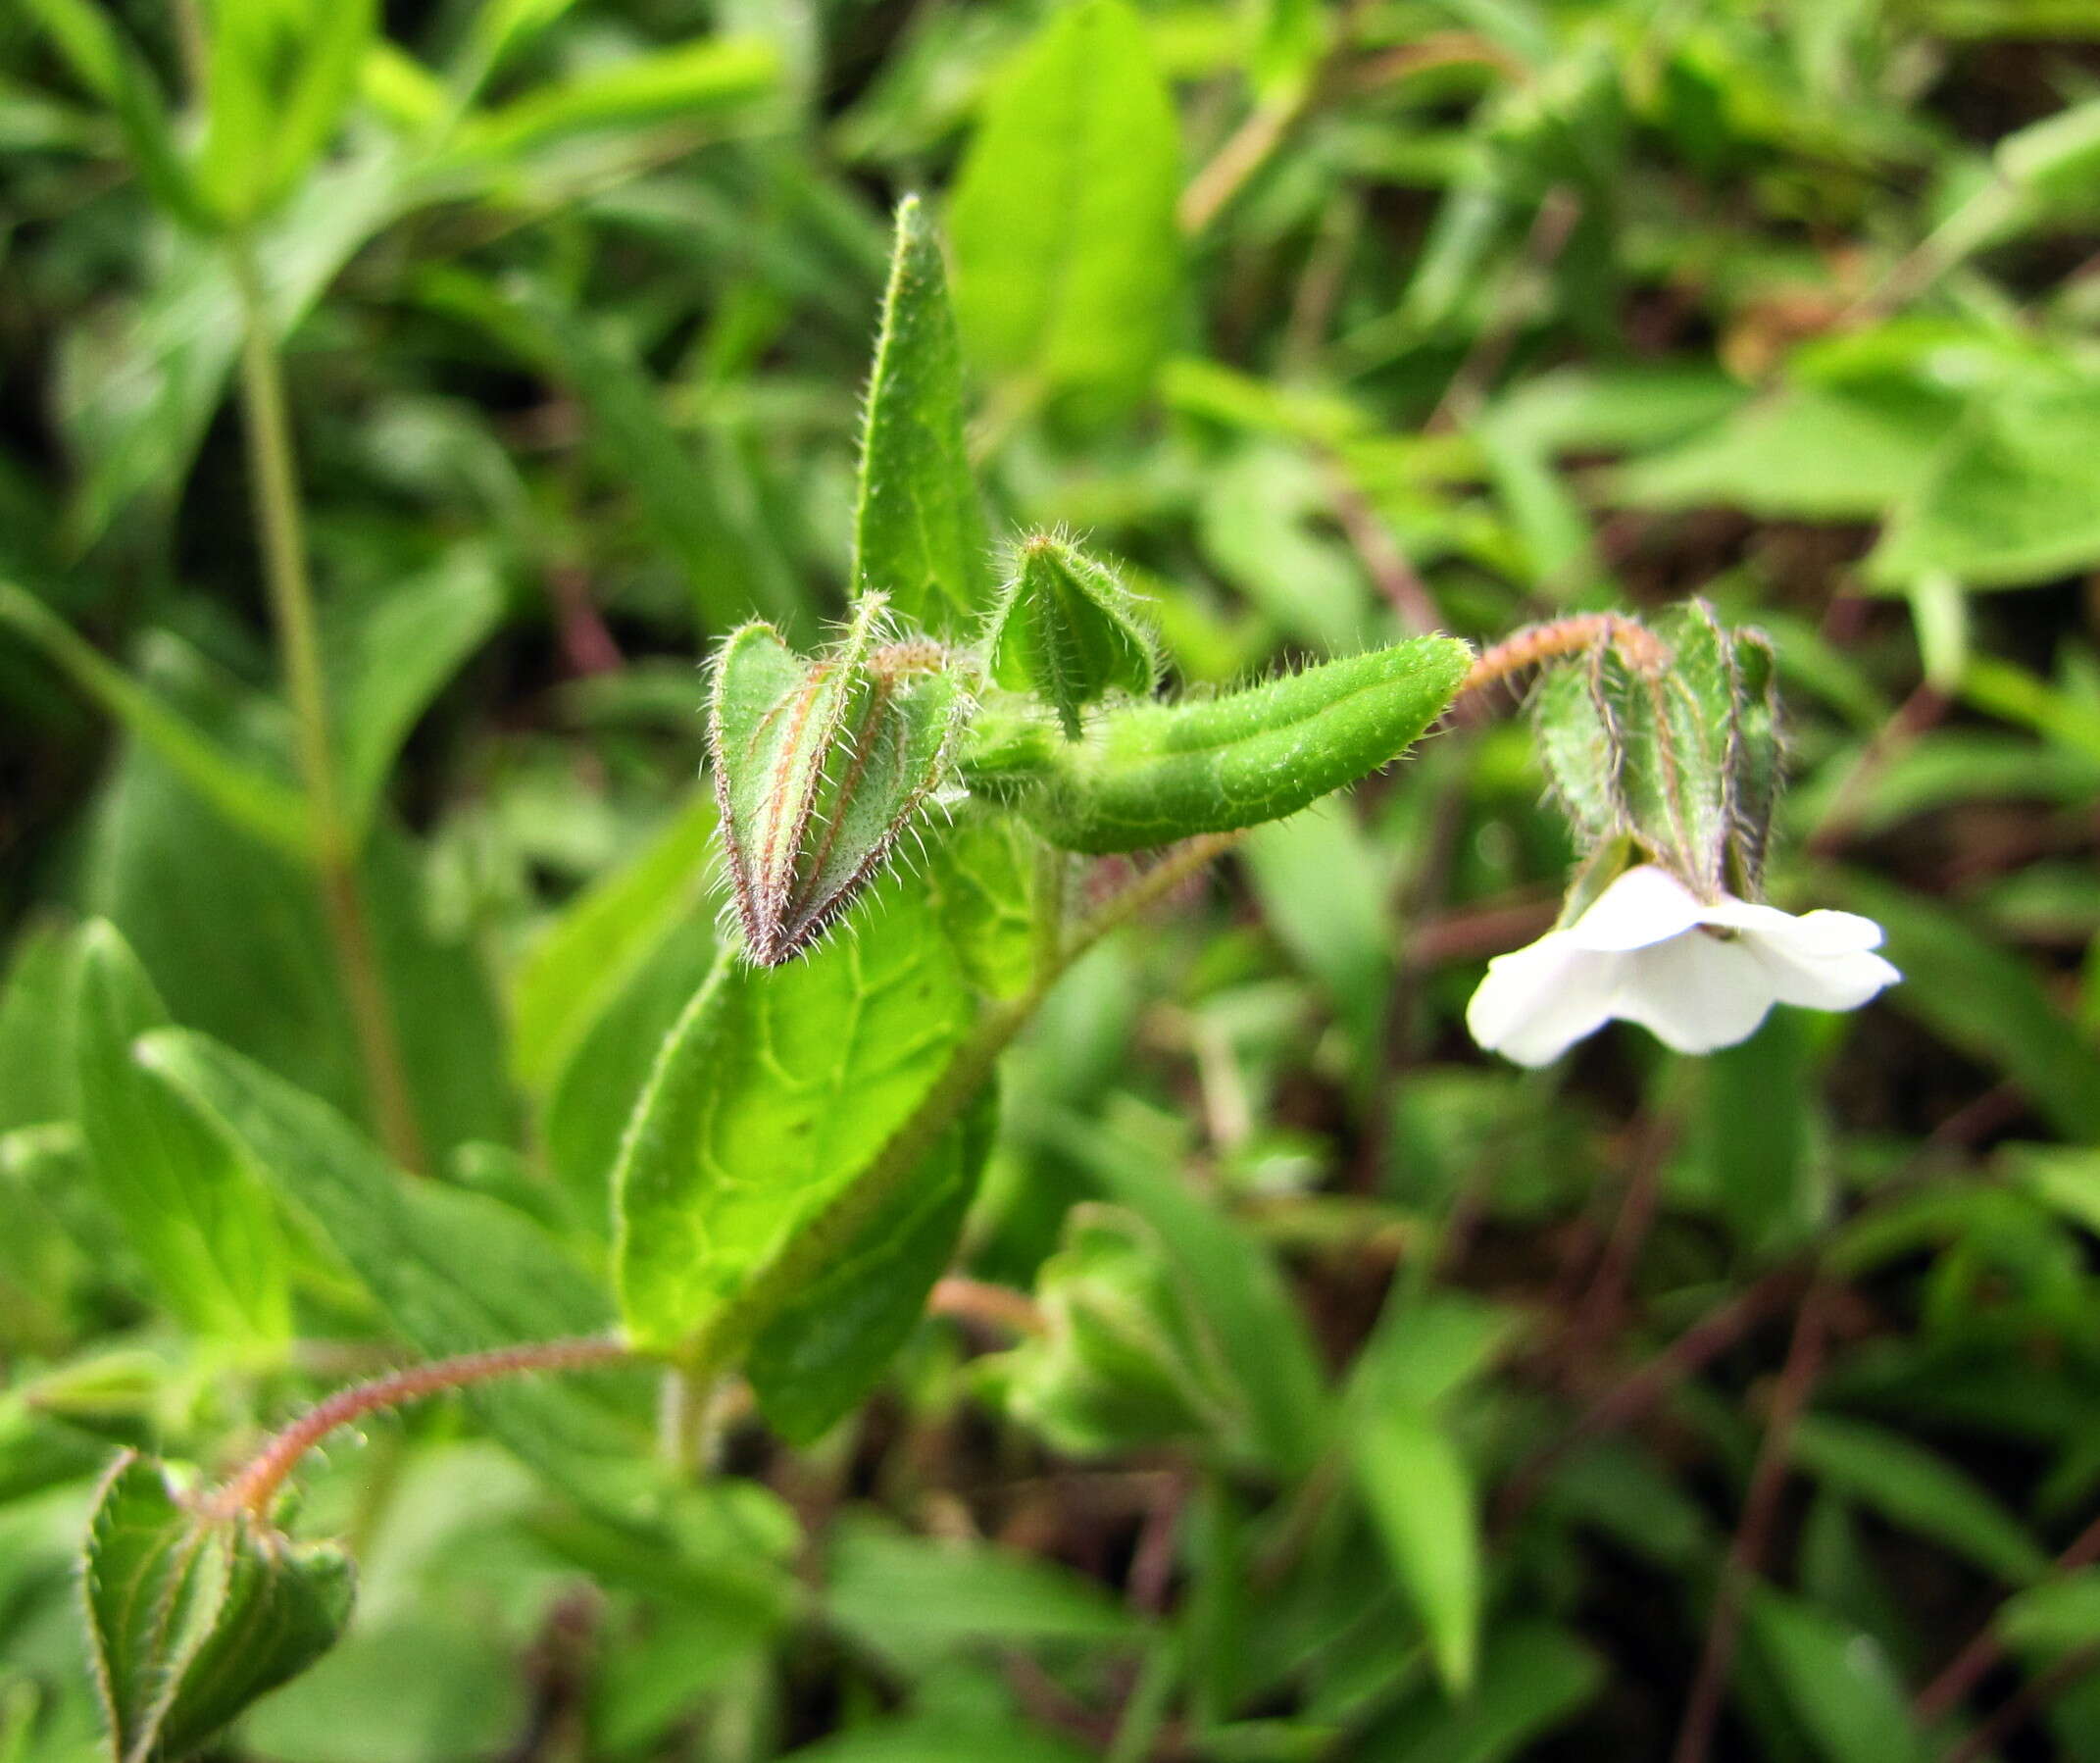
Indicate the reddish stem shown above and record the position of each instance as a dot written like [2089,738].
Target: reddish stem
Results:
[252,1490]
[1535,643]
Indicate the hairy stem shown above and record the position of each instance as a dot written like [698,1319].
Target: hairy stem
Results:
[274,466]
[254,1486]
[1535,643]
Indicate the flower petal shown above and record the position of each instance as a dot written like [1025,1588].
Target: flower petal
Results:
[1820,982]
[1645,906]
[1814,934]
[1695,993]
[1537,1003]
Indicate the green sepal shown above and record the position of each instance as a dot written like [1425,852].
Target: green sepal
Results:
[1069,632]
[819,766]
[1149,773]
[1757,762]
[192,1614]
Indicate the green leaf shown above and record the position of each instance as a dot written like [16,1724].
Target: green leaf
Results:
[576,968]
[981,873]
[919,533]
[1066,256]
[202,1225]
[249,798]
[777,1088]
[694,82]
[1321,884]
[38,1081]
[1532,1675]
[279,80]
[913,1599]
[1978,998]
[1127,1358]
[1837,1681]
[2014,498]
[1753,1139]
[192,1618]
[1912,1487]
[1151,774]
[453,1272]
[390,653]
[834,1338]
[820,766]
[1068,630]
[1578,747]
[1422,1498]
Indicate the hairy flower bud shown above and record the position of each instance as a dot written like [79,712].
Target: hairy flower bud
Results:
[1068,630]
[819,765]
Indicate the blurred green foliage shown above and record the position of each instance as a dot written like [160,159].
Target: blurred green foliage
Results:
[1312,1388]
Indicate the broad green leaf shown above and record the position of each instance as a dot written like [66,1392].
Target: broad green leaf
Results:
[586,958]
[918,531]
[1837,1681]
[912,1599]
[983,873]
[2015,497]
[278,83]
[1979,999]
[1150,774]
[202,1225]
[1263,522]
[390,653]
[777,1088]
[819,768]
[2056,1616]
[1067,257]
[252,799]
[453,1272]
[1422,1498]
[1912,1487]
[1810,452]
[834,1338]
[1069,632]
[265,980]
[192,1618]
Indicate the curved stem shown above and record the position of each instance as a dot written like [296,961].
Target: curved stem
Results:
[274,463]
[1535,643]
[253,1487]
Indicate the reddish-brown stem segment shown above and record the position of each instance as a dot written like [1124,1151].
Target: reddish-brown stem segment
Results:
[1566,636]
[254,1486]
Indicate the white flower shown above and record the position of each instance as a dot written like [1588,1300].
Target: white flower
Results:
[1700,976]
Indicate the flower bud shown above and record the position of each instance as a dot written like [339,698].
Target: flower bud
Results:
[1068,630]
[819,765]
[1677,759]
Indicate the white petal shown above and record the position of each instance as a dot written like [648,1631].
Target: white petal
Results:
[1645,906]
[1813,933]
[1537,1003]
[1838,982]
[1695,993]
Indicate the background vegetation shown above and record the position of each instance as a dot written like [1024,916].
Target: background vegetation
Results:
[1315,1387]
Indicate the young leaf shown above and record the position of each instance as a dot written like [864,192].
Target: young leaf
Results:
[1068,630]
[834,1338]
[777,1089]
[819,768]
[191,1617]
[1151,774]
[200,1222]
[1066,254]
[1839,1682]
[919,533]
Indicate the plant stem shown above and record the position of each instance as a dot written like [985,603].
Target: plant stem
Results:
[254,1486]
[1535,643]
[274,465]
